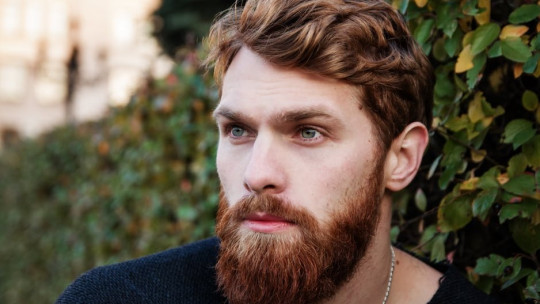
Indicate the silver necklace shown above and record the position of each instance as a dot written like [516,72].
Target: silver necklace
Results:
[391,275]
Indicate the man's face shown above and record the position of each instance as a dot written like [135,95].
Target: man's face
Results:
[301,181]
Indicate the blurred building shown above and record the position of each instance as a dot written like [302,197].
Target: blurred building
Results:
[68,60]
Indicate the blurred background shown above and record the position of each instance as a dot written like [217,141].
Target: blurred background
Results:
[107,144]
[65,61]
[106,141]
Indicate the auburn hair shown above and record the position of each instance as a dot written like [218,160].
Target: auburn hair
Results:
[363,43]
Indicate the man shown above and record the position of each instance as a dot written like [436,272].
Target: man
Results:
[323,114]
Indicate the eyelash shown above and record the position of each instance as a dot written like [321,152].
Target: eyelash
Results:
[229,127]
[317,137]
[298,133]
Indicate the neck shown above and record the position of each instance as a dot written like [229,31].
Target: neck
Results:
[370,280]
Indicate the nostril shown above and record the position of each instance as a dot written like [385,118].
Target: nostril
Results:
[268,187]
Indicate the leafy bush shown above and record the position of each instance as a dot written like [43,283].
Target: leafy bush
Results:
[477,196]
[143,179]
[139,181]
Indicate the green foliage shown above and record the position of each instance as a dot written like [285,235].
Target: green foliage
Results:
[139,181]
[481,173]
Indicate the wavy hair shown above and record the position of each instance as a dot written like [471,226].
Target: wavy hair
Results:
[363,43]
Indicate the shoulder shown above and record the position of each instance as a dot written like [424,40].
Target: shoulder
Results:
[180,275]
[455,288]
[417,280]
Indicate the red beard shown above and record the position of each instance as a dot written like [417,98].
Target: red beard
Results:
[307,263]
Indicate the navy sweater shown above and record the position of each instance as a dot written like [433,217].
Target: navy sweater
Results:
[186,275]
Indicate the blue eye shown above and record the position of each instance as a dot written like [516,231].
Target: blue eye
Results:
[237,131]
[309,133]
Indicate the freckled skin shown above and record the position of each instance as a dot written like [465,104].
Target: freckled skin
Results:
[273,156]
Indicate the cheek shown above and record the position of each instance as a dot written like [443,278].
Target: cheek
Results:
[343,178]
[220,163]
[229,169]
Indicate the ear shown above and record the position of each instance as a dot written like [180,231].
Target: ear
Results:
[405,155]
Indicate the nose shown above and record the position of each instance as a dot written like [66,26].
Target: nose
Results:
[264,172]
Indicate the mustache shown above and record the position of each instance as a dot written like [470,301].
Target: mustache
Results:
[271,205]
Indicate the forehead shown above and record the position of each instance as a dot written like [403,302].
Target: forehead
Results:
[252,82]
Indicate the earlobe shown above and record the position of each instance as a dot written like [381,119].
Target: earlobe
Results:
[405,156]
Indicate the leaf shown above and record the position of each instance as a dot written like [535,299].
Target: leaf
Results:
[515,50]
[454,213]
[530,65]
[420,200]
[478,155]
[516,165]
[473,74]
[483,37]
[531,150]
[536,72]
[502,178]
[457,124]
[484,16]
[475,111]
[446,18]
[488,266]
[524,13]
[394,233]
[518,70]
[516,277]
[465,60]
[495,50]
[509,268]
[427,237]
[469,8]
[533,279]
[438,252]
[483,202]
[469,184]
[535,42]
[401,5]
[443,86]
[489,110]
[517,132]
[520,185]
[433,167]
[529,100]
[526,235]
[452,162]
[438,50]
[513,31]
[533,289]
[451,45]
[420,3]
[524,209]
[423,31]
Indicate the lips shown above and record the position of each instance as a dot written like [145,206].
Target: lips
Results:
[266,223]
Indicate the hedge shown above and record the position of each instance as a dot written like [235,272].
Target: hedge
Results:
[139,181]
[143,179]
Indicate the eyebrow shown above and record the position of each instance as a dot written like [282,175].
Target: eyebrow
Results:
[231,115]
[279,118]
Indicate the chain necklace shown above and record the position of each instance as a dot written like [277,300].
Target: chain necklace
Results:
[391,275]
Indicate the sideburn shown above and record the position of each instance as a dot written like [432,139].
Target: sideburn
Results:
[306,264]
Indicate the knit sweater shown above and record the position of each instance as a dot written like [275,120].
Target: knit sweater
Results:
[187,275]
